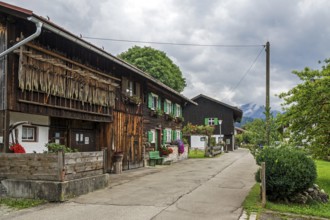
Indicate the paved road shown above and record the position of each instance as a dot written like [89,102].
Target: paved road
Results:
[192,189]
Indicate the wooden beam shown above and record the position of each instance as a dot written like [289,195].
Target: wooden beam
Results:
[61,107]
[70,61]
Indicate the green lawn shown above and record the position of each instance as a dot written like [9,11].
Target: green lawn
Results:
[252,202]
[21,203]
[195,153]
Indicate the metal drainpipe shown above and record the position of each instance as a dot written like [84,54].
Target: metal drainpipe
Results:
[26,40]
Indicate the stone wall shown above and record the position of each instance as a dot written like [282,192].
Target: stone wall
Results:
[175,156]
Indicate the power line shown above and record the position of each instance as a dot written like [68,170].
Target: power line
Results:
[245,74]
[174,44]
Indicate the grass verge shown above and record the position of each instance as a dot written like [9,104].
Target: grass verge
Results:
[252,202]
[195,153]
[21,203]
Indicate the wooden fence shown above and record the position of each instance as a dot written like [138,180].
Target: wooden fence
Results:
[52,166]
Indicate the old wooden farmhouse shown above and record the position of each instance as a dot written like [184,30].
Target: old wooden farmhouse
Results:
[57,87]
[213,112]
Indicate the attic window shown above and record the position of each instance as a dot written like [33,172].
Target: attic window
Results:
[211,121]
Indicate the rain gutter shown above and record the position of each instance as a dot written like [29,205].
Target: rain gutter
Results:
[26,40]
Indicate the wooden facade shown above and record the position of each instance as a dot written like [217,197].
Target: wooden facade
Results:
[209,108]
[89,99]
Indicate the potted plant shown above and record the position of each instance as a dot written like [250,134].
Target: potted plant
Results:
[165,151]
[159,113]
[135,100]
[179,119]
[118,156]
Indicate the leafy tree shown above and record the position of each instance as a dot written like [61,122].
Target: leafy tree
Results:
[255,132]
[157,64]
[307,108]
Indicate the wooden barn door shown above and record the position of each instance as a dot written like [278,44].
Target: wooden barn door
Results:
[127,139]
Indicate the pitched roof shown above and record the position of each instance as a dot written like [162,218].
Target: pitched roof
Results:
[238,112]
[25,14]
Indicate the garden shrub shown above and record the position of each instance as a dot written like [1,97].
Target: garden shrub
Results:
[288,171]
[53,148]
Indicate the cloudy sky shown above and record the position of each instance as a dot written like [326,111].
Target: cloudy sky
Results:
[298,32]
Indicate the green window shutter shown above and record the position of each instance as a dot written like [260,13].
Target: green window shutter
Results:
[164,136]
[174,135]
[206,121]
[159,103]
[150,99]
[180,111]
[216,121]
[174,109]
[180,135]
[165,106]
[150,136]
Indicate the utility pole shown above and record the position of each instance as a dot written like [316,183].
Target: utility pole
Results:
[267,93]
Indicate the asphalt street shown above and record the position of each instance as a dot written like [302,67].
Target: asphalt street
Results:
[212,188]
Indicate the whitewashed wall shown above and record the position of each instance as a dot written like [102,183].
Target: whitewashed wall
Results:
[42,124]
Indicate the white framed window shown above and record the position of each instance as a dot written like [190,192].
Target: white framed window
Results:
[168,107]
[178,134]
[152,136]
[29,133]
[153,101]
[130,88]
[167,135]
[178,110]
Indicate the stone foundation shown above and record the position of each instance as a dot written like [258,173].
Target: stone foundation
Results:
[175,156]
[52,190]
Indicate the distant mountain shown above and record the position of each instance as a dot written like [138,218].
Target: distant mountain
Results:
[252,111]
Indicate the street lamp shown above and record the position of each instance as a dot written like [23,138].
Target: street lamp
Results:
[220,122]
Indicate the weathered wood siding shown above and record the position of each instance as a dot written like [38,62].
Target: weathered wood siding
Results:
[3,47]
[127,138]
[52,166]
[29,166]
[83,164]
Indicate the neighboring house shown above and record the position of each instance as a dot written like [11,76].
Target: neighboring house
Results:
[213,112]
[56,87]
[163,115]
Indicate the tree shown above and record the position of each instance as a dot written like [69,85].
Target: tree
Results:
[255,132]
[157,64]
[307,108]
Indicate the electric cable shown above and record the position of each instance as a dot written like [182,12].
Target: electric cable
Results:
[245,74]
[173,44]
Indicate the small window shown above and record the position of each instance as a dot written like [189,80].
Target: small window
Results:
[168,135]
[178,134]
[153,101]
[152,136]
[130,88]
[29,133]
[211,121]
[168,107]
[178,111]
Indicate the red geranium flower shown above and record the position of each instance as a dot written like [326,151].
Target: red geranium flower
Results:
[17,148]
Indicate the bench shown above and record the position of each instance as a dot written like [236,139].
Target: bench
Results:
[154,158]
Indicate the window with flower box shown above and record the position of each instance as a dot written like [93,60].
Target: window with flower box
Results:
[154,102]
[178,110]
[130,88]
[167,135]
[168,107]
